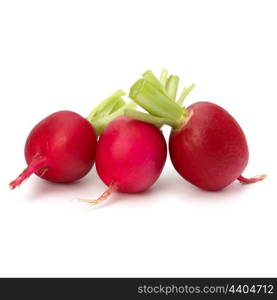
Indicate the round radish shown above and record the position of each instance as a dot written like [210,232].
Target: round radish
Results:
[60,148]
[207,146]
[210,149]
[130,156]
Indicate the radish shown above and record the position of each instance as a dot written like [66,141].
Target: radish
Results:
[61,147]
[210,150]
[207,146]
[130,156]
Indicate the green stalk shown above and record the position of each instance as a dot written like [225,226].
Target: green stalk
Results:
[150,77]
[184,94]
[158,99]
[172,86]
[145,117]
[101,123]
[108,105]
[156,102]
[163,78]
[109,109]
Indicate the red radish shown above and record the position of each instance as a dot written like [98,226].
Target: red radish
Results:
[207,146]
[61,147]
[130,156]
[210,149]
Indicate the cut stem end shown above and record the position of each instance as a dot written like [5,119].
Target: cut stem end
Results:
[158,98]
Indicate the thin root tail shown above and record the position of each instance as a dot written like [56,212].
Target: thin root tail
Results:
[33,167]
[112,187]
[257,178]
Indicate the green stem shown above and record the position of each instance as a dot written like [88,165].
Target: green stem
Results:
[163,78]
[144,117]
[172,86]
[150,77]
[184,94]
[101,123]
[108,105]
[158,99]
[107,110]
[156,102]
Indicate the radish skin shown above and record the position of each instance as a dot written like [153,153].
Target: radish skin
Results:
[131,154]
[60,148]
[210,150]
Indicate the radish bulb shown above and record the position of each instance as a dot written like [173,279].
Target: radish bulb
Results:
[130,156]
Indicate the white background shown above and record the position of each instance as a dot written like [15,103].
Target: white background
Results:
[58,55]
